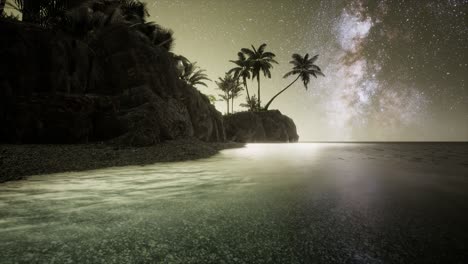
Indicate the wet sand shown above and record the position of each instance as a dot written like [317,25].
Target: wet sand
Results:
[20,161]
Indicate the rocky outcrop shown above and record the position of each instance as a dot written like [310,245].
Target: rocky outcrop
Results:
[118,87]
[266,126]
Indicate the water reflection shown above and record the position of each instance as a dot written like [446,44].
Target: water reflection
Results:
[327,202]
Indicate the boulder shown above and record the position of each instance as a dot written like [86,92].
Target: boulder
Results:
[256,127]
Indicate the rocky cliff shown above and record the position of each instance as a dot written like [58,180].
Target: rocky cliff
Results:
[116,87]
[267,126]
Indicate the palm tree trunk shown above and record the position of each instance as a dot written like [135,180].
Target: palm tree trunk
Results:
[2,6]
[258,81]
[274,97]
[232,105]
[227,102]
[246,89]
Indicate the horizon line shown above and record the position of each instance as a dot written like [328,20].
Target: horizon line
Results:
[370,142]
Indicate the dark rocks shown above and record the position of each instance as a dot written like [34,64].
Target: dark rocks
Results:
[266,126]
[118,87]
[47,118]
[207,124]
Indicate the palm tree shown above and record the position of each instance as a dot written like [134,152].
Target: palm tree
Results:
[304,67]
[227,84]
[236,90]
[190,72]
[242,70]
[193,75]
[260,61]
[251,103]
[225,97]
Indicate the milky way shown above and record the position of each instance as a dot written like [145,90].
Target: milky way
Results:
[359,102]
[395,69]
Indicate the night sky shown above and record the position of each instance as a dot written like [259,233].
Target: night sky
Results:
[395,70]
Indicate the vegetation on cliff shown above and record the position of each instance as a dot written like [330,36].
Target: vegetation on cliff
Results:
[251,63]
[97,71]
[107,58]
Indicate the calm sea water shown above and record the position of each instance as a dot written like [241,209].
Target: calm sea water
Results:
[266,203]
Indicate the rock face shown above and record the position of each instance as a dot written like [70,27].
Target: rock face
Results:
[268,126]
[119,87]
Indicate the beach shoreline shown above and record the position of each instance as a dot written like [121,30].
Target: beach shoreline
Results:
[20,161]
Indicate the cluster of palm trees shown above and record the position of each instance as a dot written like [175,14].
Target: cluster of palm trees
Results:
[251,64]
[231,89]
[85,19]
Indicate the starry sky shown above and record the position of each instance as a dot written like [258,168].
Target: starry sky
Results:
[395,70]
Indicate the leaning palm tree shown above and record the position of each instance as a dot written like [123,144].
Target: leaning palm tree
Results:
[242,70]
[304,67]
[260,61]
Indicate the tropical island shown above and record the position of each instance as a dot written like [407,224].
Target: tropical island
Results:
[98,76]
[122,141]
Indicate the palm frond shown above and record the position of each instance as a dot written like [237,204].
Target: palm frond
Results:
[248,52]
[314,59]
[293,72]
[241,56]
[261,49]
[268,55]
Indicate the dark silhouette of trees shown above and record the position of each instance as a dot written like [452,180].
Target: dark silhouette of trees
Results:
[231,89]
[243,70]
[80,18]
[260,61]
[41,11]
[158,35]
[304,68]
[2,6]
[251,103]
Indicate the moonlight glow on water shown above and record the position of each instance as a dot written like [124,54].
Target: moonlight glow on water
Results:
[395,70]
[266,203]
